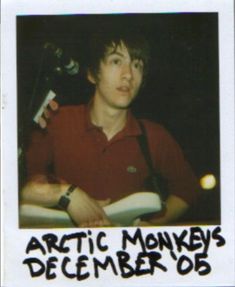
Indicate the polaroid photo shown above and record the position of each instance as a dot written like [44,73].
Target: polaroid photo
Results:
[118,143]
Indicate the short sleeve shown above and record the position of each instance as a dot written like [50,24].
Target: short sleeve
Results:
[170,161]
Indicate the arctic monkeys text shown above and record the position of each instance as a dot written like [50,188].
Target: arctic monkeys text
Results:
[85,254]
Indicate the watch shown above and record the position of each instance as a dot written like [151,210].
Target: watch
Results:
[64,199]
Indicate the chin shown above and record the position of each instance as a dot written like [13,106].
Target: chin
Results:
[123,105]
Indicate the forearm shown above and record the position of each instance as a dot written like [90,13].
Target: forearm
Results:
[43,194]
[83,210]
[175,208]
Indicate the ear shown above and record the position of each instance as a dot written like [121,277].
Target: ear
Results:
[90,77]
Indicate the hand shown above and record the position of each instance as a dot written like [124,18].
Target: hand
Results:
[86,211]
[103,203]
[139,222]
[83,210]
[52,106]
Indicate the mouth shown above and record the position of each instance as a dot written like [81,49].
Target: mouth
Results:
[124,89]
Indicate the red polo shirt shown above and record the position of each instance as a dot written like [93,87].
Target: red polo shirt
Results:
[75,150]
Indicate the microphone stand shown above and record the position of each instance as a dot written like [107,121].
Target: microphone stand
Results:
[43,84]
[53,62]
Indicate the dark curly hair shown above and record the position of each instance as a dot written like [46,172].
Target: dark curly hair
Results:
[101,42]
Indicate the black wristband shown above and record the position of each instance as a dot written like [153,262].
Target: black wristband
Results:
[64,199]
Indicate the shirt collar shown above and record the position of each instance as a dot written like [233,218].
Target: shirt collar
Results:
[131,128]
[88,124]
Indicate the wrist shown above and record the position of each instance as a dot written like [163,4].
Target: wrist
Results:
[43,193]
[65,199]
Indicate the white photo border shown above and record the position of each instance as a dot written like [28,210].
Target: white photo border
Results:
[15,240]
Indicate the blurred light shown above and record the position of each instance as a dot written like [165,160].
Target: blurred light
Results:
[208,181]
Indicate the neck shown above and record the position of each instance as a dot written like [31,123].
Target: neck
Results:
[111,120]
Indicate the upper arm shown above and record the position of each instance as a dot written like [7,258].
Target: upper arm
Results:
[172,165]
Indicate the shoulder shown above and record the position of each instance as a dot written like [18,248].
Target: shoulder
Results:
[67,115]
[73,110]
[159,136]
[65,121]
[154,129]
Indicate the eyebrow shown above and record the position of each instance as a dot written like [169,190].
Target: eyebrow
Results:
[115,53]
[122,55]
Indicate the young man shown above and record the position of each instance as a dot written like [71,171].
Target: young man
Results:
[91,153]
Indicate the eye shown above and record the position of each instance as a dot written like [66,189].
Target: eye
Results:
[138,64]
[116,61]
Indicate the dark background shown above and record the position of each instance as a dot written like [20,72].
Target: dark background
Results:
[181,90]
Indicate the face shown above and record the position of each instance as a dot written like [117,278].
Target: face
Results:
[119,78]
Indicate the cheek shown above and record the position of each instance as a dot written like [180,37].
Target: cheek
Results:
[110,79]
[106,83]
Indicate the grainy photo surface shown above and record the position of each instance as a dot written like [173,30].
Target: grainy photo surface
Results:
[117,143]
[180,91]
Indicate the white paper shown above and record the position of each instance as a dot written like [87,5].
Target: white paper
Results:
[16,240]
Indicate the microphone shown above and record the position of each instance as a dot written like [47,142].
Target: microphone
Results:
[68,64]
[54,57]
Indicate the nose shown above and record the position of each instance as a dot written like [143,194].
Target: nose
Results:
[127,72]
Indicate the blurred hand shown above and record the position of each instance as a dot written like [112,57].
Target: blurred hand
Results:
[139,222]
[52,106]
[86,211]
[103,203]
